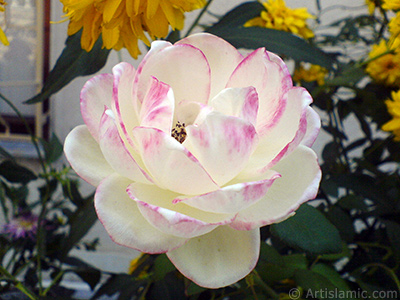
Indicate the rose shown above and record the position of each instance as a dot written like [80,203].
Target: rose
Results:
[196,150]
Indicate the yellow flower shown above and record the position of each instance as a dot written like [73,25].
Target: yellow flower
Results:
[135,263]
[279,16]
[384,69]
[391,4]
[310,73]
[122,22]
[393,106]
[394,25]
[3,37]
[371,6]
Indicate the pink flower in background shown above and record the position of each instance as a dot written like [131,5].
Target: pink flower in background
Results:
[23,226]
[196,150]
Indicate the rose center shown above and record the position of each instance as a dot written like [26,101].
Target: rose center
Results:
[178,132]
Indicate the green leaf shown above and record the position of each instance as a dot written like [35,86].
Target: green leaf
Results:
[315,285]
[276,41]
[342,222]
[162,266]
[310,231]
[80,222]
[73,62]
[238,16]
[16,173]
[53,149]
[330,273]
[230,27]
[85,271]
[4,153]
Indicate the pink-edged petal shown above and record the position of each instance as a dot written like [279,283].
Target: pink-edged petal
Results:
[237,102]
[123,221]
[222,144]
[231,198]
[95,94]
[183,67]
[178,219]
[219,258]
[271,78]
[171,165]
[313,127]
[285,136]
[300,180]
[157,109]
[222,57]
[124,104]
[116,154]
[85,156]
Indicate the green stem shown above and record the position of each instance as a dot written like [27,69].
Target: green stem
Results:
[55,280]
[18,284]
[198,18]
[257,279]
[39,240]
[28,129]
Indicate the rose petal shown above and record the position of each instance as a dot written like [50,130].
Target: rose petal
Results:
[232,198]
[157,109]
[116,153]
[85,156]
[179,219]
[299,182]
[269,75]
[170,164]
[313,127]
[285,136]
[237,102]
[219,258]
[222,144]
[124,104]
[183,67]
[222,57]
[95,94]
[123,221]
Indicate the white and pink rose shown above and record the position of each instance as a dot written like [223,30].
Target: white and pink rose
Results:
[196,150]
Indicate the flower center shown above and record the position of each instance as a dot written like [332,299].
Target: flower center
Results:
[179,132]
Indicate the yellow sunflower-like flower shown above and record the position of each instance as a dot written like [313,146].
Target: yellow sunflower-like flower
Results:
[3,37]
[394,25]
[310,73]
[391,4]
[385,68]
[393,106]
[278,16]
[122,22]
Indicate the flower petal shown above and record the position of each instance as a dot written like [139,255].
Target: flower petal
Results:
[237,102]
[183,67]
[95,94]
[157,109]
[170,164]
[179,219]
[85,156]
[116,153]
[271,78]
[313,127]
[219,258]
[285,136]
[123,221]
[232,198]
[299,182]
[222,144]
[124,104]
[222,57]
